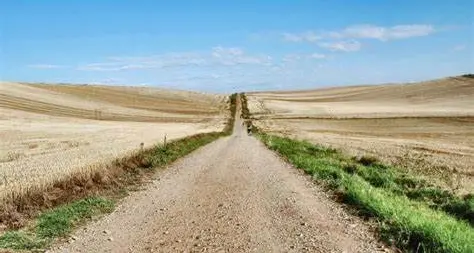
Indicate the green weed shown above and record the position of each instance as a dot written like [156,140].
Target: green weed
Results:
[413,214]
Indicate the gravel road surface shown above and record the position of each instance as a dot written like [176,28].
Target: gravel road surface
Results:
[233,195]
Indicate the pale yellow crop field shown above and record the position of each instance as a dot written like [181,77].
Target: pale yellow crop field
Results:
[49,132]
[428,126]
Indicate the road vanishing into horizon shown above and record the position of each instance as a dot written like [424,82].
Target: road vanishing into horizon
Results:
[233,195]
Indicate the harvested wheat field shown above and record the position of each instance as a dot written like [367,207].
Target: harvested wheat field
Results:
[49,132]
[427,127]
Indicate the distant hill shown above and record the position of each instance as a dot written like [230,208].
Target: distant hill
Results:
[108,102]
[452,96]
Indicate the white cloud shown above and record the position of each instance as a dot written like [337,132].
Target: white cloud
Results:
[235,56]
[291,37]
[218,56]
[122,63]
[301,37]
[364,31]
[385,33]
[106,81]
[311,37]
[461,47]
[46,66]
[113,66]
[344,46]
[318,56]
[291,58]
[220,52]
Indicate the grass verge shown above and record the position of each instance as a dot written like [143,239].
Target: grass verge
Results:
[245,109]
[407,220]
[37,219]
[55,223]
[233,107]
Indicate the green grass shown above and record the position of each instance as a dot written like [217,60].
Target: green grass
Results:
[390,178]
[233,107]
[161,155]
[413,214]
[19,240]
[245,109]
[56,222]
[409,224]
[61,220]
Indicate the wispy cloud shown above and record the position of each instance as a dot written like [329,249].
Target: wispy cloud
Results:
[46,66]
[235,56]
[217,56]
[461,47]
[107,81]
[364,31]
[344,46]
[348,39]
[123,63]
[384,33]
[291,37]
[318,56]
[289,58]
[112,66]
[301,37]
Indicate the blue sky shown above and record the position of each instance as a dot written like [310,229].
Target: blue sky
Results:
[224,46]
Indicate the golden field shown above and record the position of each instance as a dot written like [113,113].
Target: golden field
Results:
[427,127]
[49,132]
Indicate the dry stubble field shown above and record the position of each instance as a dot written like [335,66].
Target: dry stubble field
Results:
[49,132]
[427,127]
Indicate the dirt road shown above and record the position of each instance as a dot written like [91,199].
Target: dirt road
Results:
[232,195]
